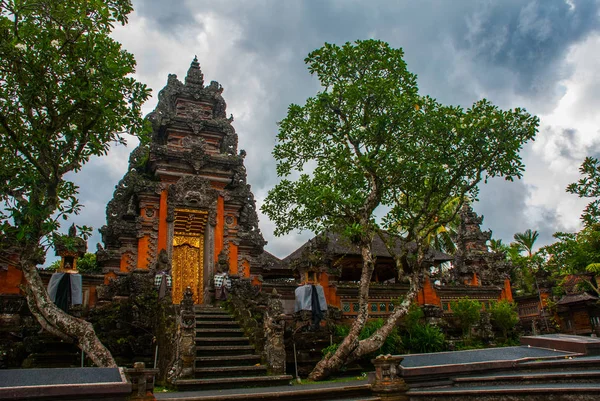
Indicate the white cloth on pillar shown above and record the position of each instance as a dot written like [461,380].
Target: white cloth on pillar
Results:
[76,287]
[304,297]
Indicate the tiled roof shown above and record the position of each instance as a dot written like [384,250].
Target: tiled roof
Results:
[337,245]
[574,298]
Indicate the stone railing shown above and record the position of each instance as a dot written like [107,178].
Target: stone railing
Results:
[185,355]
[261,317]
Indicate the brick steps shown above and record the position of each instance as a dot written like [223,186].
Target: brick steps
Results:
[231,371]
[229,341]
[224,357]
[227,360]
[587,376]
[336,391]
[228,332]
[224,350]
[574,391]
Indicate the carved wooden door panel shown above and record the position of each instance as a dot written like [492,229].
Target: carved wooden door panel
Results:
[188,254]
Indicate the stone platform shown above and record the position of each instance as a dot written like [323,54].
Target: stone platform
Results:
[565,342]
[64,384]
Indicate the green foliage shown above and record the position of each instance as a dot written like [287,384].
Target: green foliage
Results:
[425,338]
[467,312]
[87,264]
[420,337]
[54,266]
[128,328]
[368,138]
[528,268]
[573,252]
[504,316]
[526,240]
[66,94]
[391,345]
[588,187]
[414,317]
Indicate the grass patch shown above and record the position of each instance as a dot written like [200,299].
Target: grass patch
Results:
[162,389]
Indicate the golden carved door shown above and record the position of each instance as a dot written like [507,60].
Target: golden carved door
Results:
[188,254]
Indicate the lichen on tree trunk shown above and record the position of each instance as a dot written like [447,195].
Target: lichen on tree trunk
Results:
[60,323]
[351,347]
[331,364]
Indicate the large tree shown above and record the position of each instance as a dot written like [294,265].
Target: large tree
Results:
[369,140]
[589,187]
[66,94]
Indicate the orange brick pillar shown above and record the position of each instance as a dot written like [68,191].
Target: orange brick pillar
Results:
[506,291]
[428,295]
[143,249]
[220,227]
[10,280]
[162,222]
[233,258]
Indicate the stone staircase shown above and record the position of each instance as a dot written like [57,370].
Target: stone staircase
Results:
[576,378]
[225,359]
[51,352]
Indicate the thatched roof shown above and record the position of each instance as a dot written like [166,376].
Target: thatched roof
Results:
[335,244]
[576,298]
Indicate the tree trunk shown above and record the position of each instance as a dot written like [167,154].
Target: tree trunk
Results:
[55,320]
[332,364]
[377,339]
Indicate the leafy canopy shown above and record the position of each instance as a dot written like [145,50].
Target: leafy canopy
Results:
[369,139]
[589,187]
[504,316]
[66,94]
[467,312]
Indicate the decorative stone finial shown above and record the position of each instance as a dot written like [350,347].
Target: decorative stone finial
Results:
[194,75]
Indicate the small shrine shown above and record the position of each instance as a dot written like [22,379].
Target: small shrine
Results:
[69,248]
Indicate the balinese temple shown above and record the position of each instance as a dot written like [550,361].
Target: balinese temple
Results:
[184,206]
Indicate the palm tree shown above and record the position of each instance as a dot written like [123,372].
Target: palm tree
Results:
[526,240]
[496,245]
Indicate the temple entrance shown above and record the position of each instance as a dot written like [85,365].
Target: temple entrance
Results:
[188,254]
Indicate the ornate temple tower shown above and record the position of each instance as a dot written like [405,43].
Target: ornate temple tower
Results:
[185,195]
[474,264]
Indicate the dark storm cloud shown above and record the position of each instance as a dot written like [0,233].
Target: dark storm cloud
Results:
[505,211]
[528,38]
[460,50]
[167,15]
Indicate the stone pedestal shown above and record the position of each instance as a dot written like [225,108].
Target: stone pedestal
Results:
[142,381]
[388,384]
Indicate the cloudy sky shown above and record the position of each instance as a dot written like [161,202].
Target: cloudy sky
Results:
[540,55]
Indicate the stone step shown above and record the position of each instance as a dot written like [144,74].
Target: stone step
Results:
[210,341]
[216,350]
[232,382]
[216,323]
[354,391]
[227,360]
[214,317]
[587,376]
[209,309]
[568,364]
[559,391]
[231,371]
[219,332]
